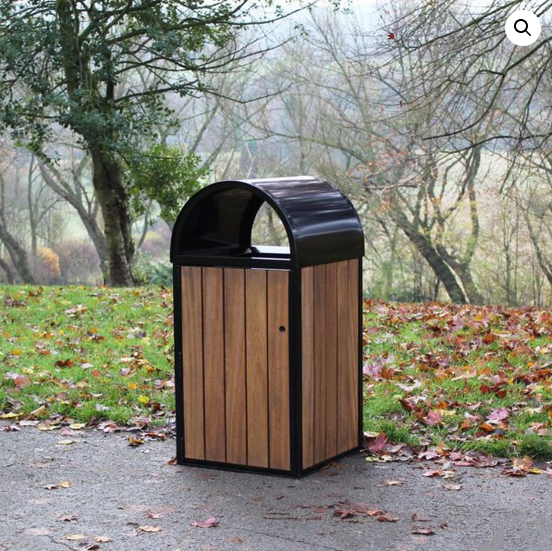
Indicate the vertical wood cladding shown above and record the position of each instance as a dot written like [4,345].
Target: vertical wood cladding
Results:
[236,371]
[236,366]
[330,402]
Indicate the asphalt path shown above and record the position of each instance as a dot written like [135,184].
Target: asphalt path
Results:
[98,492]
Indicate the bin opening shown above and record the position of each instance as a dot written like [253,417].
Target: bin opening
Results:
[268,230]
[229,223]
[297,221]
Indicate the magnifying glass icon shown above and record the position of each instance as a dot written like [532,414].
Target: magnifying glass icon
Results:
[524,27]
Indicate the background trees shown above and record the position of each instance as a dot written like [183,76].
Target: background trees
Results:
[433,123]
[101,69]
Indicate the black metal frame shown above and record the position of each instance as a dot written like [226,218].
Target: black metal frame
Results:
[178,363]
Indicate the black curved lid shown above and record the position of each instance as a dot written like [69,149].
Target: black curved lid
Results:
[321,223]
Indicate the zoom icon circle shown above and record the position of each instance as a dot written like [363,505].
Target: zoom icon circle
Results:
[522,28]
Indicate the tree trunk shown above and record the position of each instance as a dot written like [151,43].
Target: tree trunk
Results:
[544,265]
[464,274]
[9,274]
[433,258]
[18,255]
[87,218]
[107,177]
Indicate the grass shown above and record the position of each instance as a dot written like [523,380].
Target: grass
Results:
[86,353]
[90,354]
[460,364]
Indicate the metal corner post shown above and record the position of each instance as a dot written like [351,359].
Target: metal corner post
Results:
[360,354]
[178,363]
[295,371]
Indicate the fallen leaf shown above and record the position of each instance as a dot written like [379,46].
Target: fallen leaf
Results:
[10,415]
[102,539]
[77,426]
[150,529]
[498,414]
[343,513]
[65,484]
[452,487]
[151,514]
[393,482]
[431,474]
[75,537]
[67,518]
[211,522]
[47,426]
[66,442]
[433,418]
[387,517]
[423,531]
[373,512]
[134,442]
[377,444]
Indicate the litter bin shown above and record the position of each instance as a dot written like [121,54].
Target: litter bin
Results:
[268,340]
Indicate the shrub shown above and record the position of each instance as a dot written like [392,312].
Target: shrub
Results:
[149,271]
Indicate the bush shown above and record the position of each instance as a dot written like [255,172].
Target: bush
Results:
[147,270]
[47,268]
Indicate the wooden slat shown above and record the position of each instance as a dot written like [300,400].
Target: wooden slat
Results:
[319,363]
[192,337]
[353,352]
[278,370]
[307,351]
[257,375]
[344,358]
[234,354]
[213,357]
[331,360]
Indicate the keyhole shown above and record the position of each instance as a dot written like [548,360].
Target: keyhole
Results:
[282,329]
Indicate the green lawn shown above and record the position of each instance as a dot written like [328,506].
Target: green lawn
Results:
[463,377]
[87,353]
[436,375]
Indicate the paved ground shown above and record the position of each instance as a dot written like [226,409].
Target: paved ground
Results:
[114,487]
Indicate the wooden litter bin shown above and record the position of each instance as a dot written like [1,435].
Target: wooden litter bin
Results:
[268,340]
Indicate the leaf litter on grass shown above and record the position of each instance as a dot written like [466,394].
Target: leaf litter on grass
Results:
[468,383]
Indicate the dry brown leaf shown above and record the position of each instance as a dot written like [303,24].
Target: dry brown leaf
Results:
[134,442]
[75,537]
[211,522]
[423,531]
[387,517]
[150,529]
[67,518]
[393,482]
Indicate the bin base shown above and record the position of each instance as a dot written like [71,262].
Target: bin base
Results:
[263,470]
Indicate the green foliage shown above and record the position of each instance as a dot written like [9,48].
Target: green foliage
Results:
[102,68]
[163,174]
[149,271]
[533,445]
